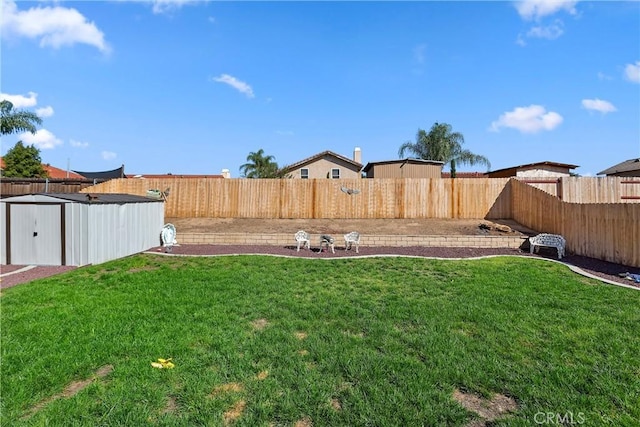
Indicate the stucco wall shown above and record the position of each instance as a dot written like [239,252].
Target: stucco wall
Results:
[546,172]
[321,168]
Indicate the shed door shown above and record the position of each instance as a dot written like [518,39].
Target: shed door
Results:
[36,235]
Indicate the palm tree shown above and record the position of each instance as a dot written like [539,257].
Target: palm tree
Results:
[12,121]
[443,145]
[260,166]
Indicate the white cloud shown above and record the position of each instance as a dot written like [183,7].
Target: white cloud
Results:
[78,144]
[42,139]
[108,155]
[531,119]
[20,101]
[236,84]
[167,6]
[603,76]
[598,105]
[45,111]
[53,26]
[549,32]
[632,72]
[536,9]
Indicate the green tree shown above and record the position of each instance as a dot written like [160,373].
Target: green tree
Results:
[260,166]
[13,121]
[443,145]
[23,162]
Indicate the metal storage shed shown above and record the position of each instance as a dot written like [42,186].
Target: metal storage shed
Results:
[77,229]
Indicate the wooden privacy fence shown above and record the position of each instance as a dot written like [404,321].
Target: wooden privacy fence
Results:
[606,231]
[586,189]
[324,198]
[611,189]
[20,186]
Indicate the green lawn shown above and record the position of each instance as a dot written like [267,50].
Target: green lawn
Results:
[260,341]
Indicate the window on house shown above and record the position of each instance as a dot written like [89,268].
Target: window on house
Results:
[304,173]
[335,173]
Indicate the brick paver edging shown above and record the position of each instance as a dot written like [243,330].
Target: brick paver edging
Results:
[283,239]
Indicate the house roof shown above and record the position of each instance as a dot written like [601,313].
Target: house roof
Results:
[626,166]
[85,198]
[53,172]
[403,161]
[464,175]
[319,156]
[528,165]
[170,175]
[115,173]
[60,173]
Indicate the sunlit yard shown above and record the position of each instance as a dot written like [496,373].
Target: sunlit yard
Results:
[260,341]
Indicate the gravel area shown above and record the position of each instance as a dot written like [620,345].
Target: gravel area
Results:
[601,269]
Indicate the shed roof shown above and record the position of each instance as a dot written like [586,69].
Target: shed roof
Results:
[85,198]
[403,161]
[626,166]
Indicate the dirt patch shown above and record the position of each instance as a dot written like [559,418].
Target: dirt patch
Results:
[234,412]
[488,410]
[139,269]
[262,375]
[259,324]
[303,352]
[338,227]
[226,388]
[305,422]
[300,335]
[171,406]
[71,390]
[336,405]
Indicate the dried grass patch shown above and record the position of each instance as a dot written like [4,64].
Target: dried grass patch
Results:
[71,390]
[488,410]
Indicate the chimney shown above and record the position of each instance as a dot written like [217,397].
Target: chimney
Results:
[357,155]
[226,173]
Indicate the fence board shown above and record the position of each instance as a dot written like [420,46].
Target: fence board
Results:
[606,231]
[611,189]
[323,198]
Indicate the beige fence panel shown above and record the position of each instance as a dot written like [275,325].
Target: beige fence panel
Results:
[324,198]
[601,189]
[607,231]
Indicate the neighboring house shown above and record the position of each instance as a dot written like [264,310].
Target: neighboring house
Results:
[534,170]
[629,167]
[404,168]
[465,175]
[59,173]
[53,172]
[326,165]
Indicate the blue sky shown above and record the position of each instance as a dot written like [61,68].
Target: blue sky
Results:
[192,87]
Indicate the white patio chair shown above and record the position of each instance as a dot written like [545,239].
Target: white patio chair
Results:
[303,239]
[351,239]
